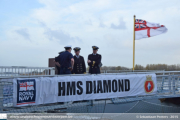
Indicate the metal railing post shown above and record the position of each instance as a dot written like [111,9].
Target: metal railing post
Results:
[162,85]
[177,83]
[91,102]
[169,83]
[5,72]
[1,97]
[51,72]
[173,79]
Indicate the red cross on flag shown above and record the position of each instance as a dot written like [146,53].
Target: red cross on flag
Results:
[144,29]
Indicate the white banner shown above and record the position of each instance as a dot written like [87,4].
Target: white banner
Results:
[34,91]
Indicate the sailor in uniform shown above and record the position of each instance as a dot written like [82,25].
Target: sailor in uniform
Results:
[66,61]
[57,64]
[94,61]
[79,64]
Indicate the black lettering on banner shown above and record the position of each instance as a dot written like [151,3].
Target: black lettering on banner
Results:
[88,87]
[99,86]
[80,91]
[61,88]
[121,85]
[114,86]
[94,85]
[127,85]
[71,88]
[107,86]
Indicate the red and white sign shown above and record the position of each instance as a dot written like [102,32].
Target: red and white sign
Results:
[144,29]
[26,86]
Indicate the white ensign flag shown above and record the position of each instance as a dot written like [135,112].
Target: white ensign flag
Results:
[144,29]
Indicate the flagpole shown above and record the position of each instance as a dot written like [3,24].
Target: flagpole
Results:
[134,43]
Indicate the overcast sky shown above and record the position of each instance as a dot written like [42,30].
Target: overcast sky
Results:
[31,31]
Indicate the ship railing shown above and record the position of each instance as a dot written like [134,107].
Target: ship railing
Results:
[168,86]
[158,72]
[13,71]
[122,71]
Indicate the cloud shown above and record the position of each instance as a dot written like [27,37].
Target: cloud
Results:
[42,24]
[88,22]
[60,35]
[23,32]
[101,24]
[122,25]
